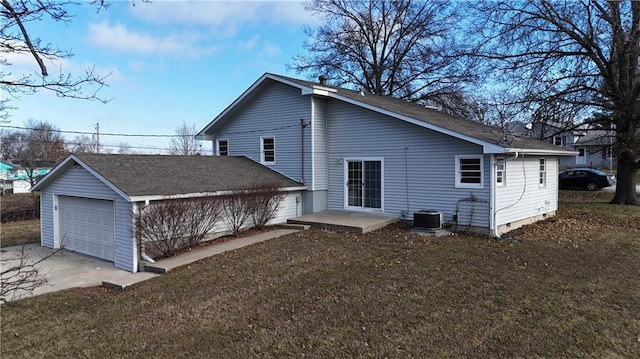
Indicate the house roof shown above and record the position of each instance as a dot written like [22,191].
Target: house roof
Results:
[596,138]
[140,177]
[5,166]
[493,139]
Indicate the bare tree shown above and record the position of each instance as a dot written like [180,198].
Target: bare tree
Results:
[404,49]
[12,144]
[45,146]
[582,54]
[184,142]
[124,148]
[83,144]
[16,40]
[38,144]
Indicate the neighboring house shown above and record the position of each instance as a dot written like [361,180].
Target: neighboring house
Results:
[13,177]
[88,201]
[5,170]
[6,185]
[361,152]
[593,146]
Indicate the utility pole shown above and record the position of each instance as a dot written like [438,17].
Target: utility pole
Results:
[98,137]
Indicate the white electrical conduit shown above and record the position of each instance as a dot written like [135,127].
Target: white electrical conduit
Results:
[496,234]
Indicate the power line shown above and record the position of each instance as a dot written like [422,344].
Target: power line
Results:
[148,135]
[88,133]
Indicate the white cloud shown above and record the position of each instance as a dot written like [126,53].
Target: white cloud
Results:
[119,38]
[226,16]
[24,64]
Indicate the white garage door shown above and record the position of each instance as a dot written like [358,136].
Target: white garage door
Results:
[87,226]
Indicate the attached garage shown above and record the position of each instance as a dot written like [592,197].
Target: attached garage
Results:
[87,226]
[88,201]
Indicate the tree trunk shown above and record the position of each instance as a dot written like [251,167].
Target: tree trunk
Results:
[626,180]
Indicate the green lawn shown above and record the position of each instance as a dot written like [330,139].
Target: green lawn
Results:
[569,288]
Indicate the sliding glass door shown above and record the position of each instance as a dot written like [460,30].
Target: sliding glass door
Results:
[364,184]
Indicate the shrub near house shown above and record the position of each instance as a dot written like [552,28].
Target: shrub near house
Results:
[167,227]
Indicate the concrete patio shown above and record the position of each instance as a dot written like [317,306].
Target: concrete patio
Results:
[346,221]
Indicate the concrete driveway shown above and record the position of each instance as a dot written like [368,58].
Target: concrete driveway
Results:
[613,188]
[67,269]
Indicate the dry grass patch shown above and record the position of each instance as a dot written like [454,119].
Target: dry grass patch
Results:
[585,216]
[20,232]
[389,293]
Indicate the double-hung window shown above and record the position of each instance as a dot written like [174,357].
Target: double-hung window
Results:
[501,170]
[559,140]
[469,171]
[222,147]
[268,150]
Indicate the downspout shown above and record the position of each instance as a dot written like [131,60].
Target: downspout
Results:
[496,234]
[303,125]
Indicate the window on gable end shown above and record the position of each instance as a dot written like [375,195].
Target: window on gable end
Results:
[268,150]
[222,147]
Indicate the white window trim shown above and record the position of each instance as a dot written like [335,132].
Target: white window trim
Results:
[542,173]
[262,160]
[218,146]
[501,161]
[345,162]
[457,169]
[562,138]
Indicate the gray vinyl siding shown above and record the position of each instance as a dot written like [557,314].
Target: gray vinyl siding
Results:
[320,174]
[76,181]
[275,112]
[419,164]
[289,208]
[522,197]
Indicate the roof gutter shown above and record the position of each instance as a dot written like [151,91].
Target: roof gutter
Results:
[540,152]
[199,194]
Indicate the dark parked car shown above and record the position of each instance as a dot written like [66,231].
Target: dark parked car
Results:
[586,178]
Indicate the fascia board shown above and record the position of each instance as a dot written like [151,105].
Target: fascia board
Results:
[198,195]
[541,152]
[58,170]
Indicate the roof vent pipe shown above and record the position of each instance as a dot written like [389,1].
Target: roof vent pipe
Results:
[323,79]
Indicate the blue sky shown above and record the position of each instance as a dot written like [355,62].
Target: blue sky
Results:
[170,61]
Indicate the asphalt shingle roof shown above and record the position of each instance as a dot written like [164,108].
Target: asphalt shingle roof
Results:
[148,175]
[489,134]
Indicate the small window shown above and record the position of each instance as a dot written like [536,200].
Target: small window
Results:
[543,173]
[268,150]
[501,168]
[469,171]
[222,147]
[560,140]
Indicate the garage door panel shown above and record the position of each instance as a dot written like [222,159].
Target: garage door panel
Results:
[87,226]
